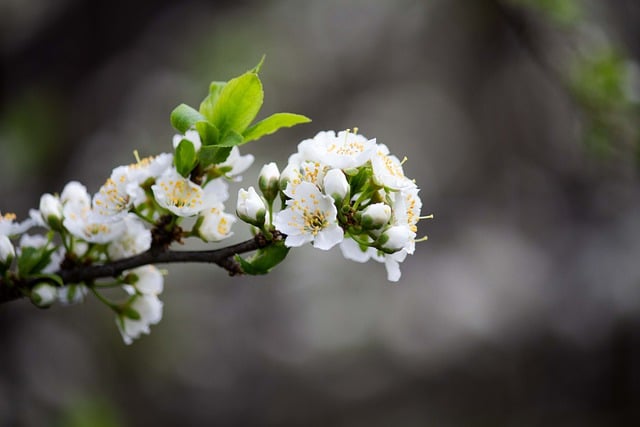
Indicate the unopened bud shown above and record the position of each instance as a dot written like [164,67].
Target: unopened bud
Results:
[43,294]
[51,211]
[376,216]
[250,207]
[268,181]
[395,238]
[336,185]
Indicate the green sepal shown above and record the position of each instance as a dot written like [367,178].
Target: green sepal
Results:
[264,259]
[211,155]
[238,104]
[273,123]
[184,117]
[130,313]
[231,139]
[207,105]
[185,157]
[360,180]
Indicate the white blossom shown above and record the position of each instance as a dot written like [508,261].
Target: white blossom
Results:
[149,280]
[72,294]
[268,181]
[178,194]
[135,239]
[387,170]
[149,310]
[216,224]
[236,163]
[343,151]
[396,237]
[7,251]
[310,216]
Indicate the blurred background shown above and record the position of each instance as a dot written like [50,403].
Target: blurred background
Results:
[519,119]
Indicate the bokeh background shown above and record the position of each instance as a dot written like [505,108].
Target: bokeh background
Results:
[519,119]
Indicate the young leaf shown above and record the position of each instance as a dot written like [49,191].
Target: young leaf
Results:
[185,157]
[184,117]
[257,68]
[238,104]
[209,134]
[211,155]
[273,123]
[264,259]
[206,106]
[231,139]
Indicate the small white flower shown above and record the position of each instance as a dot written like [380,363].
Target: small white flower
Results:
[192,136]
[51,210]
[44,294]
[149,280]
[376,215]
[178,194]
[113,199]
[135,239]
[387,170]
[344,150]
[310,216]
[74,193]
[336,185]
[9,226]
[251,207]
[307,171]
[352,250]
[72,294]
[216,224]
[81,222]
[236,163]
[7,251]
[149,312]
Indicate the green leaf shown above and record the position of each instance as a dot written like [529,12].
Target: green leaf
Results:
[257,68]
[185,157]
[232,138]
[273,123]
[208,133]
[33,260]
[238,104]
[184,117]
[264,259]
[211,155]
[206,106]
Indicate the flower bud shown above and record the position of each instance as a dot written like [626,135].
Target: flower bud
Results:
[376,216]
[51,211]
[43,294]
[395,238]
[251,207]
[269,181]
[7,251]
[336,185]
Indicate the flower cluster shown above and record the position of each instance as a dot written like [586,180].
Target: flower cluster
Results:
[341,189]
[116,223]
[338,189]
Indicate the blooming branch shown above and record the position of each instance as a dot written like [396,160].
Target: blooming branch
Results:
[338,190]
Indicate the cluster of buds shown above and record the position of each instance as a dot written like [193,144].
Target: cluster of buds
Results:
[340,189]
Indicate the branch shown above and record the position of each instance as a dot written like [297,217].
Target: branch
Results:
[222,257]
